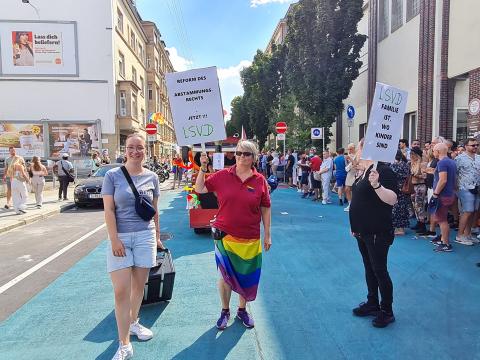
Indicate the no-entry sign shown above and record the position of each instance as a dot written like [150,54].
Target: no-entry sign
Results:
[281,127]
[151,129]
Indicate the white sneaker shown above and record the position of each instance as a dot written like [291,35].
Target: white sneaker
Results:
[324,202]
[140,331]
[347,209]
[473,239]
[463,240]
[124,352]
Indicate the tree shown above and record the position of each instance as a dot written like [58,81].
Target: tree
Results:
[240,115]
[262,83]
[322,56]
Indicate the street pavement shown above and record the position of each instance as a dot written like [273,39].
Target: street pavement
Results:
[311,279]
[10,220]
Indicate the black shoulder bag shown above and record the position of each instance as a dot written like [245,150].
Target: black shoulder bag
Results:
[143,206]
[67,173]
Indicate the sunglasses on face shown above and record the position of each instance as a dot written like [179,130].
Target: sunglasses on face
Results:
[244,153]
[473,145]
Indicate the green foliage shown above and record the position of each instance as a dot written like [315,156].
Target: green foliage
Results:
[240,115]
[231,129]
[322,55]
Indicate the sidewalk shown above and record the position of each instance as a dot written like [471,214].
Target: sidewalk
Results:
[9,220]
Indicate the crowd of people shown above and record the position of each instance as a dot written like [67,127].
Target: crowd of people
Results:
[441,175]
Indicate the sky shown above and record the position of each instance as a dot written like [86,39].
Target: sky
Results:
[222,33]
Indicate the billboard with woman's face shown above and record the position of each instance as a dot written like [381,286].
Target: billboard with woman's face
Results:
[40,48]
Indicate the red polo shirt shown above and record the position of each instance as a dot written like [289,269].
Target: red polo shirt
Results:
[239,212]
[315,163]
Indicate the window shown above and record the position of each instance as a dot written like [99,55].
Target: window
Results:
[362,128]
[150,92]
[142,114]
[148,62]
[157,99]
[142,86]
[121,65]
[156,64]
[461,125]
[410,127]
[140,51]
[134,75]
[119,21]
[123,103]
[132,40]
[134,106]
[397,14]
[383,19]
[413,9]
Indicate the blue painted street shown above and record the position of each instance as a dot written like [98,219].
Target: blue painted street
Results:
[311,279]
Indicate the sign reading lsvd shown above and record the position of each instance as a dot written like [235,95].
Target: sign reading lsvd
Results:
[196,106]
[385,123]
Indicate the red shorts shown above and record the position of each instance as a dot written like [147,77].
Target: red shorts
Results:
[441,214]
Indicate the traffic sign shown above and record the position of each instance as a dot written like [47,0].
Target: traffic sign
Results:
[151,129]
[281,127]
[281,136]
[350,111]
[151,138]
[316,133]
[349,122]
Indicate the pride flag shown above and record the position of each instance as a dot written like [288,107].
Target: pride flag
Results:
[156,117]
[240,263]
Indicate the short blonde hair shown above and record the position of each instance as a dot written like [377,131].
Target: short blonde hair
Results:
[249,146]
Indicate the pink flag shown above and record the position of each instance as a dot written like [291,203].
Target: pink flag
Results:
[244,134]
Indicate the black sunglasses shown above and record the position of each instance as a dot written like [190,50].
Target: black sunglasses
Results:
[244,153]
[474,145]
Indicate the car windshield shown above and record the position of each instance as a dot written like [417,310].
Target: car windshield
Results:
[102,171]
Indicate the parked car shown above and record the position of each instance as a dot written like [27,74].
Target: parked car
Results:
[89,191]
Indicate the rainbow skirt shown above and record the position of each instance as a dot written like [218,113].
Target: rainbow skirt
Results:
[240,263]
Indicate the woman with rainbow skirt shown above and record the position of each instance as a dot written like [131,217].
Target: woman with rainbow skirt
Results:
[244,202]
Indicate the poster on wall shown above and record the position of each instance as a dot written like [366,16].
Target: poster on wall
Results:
[40,48]
[196,106]
[27,139]
[77,140]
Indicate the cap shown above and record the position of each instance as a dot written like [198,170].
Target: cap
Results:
[65,156]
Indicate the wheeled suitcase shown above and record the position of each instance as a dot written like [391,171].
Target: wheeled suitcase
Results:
[159,286]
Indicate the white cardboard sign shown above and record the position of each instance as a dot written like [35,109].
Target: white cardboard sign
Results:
[218,161]
[196,106]
[385,123]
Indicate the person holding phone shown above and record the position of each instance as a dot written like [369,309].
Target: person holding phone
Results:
[244,202]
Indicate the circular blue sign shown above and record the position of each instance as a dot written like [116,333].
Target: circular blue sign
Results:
[350,112]
[316,132]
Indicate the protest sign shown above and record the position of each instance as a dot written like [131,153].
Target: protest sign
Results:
[218,161]
[196,106]
[385,123]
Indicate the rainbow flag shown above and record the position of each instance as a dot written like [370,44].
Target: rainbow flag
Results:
[156,117]
[240,263]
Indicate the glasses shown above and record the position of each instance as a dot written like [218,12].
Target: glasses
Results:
[137,148]
[244,153]
[474,145]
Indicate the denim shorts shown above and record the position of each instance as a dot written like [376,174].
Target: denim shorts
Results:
[140,251]
[468,202]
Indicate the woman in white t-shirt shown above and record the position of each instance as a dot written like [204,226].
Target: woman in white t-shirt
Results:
[275,163]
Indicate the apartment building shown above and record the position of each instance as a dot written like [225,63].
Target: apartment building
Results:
[76,80]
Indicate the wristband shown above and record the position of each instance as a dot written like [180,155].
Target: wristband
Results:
[378,187]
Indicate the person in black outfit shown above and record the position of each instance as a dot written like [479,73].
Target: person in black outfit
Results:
[229,159]
[269,163]
[373,197]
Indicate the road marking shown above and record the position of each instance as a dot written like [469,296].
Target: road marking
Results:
[42,263]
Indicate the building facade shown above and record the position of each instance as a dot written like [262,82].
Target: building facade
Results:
[427,48]
[75,80]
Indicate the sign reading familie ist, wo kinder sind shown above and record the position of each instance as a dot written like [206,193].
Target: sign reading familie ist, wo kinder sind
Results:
[196,106]
[385,123]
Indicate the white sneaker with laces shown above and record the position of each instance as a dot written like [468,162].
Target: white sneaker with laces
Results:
[347,209]
[124,352]
[140,331]
[463,240]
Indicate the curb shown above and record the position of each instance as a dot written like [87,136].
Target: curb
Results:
[37,217]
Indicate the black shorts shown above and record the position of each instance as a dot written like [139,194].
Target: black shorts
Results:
[289,172]
[304,180]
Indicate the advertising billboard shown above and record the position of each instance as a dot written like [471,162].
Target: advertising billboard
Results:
[38,48]
[79,140]
[27,139]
